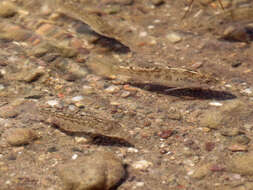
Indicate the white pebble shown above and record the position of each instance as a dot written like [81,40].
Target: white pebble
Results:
[215,104]
[139,184]
[132,150]
[143,34]
[1,86]
[81,139]
[86,87]
[174,37]
[247,91]
[151,27]
[112,89]
[74,156]
[191,172]
[157,21]
[53,103]
[77,98]
[142,164]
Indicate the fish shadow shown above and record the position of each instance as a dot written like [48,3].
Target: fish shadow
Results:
[97,139]
[112,45]
[195,92]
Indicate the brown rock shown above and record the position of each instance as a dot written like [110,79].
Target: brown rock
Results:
[238,147]
[8,112]
[202,171]
[242,164]
[17,137]
[7,9]
[98,171]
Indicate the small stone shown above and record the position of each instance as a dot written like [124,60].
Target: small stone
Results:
[113,9]
[14,33]
[217,168]
[242,139]
[112,89]
[125,94]
[7,9]
[74,157]
[2,87]
[100,170]
[236,64]
[174,115]
[52,149]
[215,104]
[17,137]
[240,34]
[242,164]
[39,51]
[31,75]
[238,147]
[132,150]
[8,112]
[202,171]
[81,140]
[174,37]
[209,146]
[211,120]
[87,89]
[142,165]
[166,134]
[53,103]
[77,98]
[247,91]
[230,132]
[157,2]
[120,2]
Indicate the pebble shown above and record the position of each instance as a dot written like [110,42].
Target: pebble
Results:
[113,9]
[211,119]
[13,33]
[247,91]
[233,33]
[7,9]
[112,89]
[215,104]
[96,171]
[165,134]
[2,87]
[87,89]
[224,115]
[209,146]
[174,37]
[157,2]
[120,2]
[74,157]
[77,98]
[53,103]
[143,34]
[230,132]
[238,147]
[32,75]
[125,94]
[202,171]
[241,139]
[241,164]
[81,140]
[142,165]
[8,112]
[132,150]
[17,137]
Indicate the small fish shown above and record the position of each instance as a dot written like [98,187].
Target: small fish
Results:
[86,123]
[166,76]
